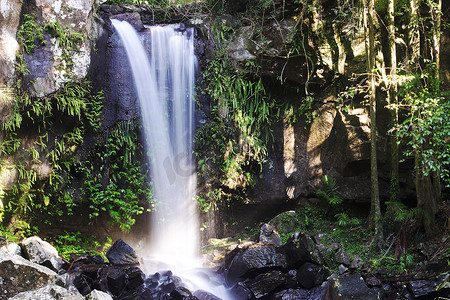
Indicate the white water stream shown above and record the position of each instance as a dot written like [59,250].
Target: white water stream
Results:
[165,88]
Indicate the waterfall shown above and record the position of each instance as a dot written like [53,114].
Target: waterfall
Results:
[165,89]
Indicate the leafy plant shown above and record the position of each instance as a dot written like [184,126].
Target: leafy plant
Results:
[427,125]
[330,193]
[73,242]
[121,183]
[344,219]
[30,34]
[401,211]
[67,39]
[17,231]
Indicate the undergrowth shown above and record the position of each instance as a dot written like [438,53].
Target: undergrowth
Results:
[69,243]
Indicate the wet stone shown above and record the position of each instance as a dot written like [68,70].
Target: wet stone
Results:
[372,281]
[427,286]
[268,235]
[291,279]
[122,254]
[263,284]
[240,292]
[301,248]
[204,295]
[181,293]
[351,287]
[310,275]
[252,258]
[135,277]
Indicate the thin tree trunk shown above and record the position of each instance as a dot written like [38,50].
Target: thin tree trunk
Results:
[375,212]
[414,34]
[436,16]
[393,101]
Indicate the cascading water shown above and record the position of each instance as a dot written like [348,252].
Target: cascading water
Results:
[165,88]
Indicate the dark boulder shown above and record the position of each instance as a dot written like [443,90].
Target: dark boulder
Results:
[350,287]
[252,258]
[135,277]
[122,254]
[428,286]
[268,235]
[240,292]
[286,222]
[204,295]
[297,294]
[181,293]
[264,284]
[116,279]
[310,275]
[301,248]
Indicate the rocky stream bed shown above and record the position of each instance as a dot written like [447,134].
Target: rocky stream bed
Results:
[266,269]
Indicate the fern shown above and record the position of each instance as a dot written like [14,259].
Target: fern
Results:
[330,193]
[344,220]
[401,211]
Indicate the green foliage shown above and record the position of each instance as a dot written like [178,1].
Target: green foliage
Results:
[427,126]
[47,197]
[343,219]
[211,141]
[77,109]
[392,264]
[330,193]
[30,34]
[232,143]
[71,100]
[401,211]
[120,183]
[214,199]
[74,242]
[17,231]
[2,209]
[94,110]
[152,3]
[258,7]
[250,8]
[21,67]
[285,237]
[67,39]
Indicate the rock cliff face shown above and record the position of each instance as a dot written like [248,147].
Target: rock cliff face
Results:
[49,70]
[332,142]
[110,71]
[51,62]
[47,73]
[9,17]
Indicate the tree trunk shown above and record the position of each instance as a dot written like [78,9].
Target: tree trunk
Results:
[426,188]
[375,212]
[414,34]
[426,199]
[436,17]
[393,101]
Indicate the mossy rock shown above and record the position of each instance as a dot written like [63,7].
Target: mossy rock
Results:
[285,222]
